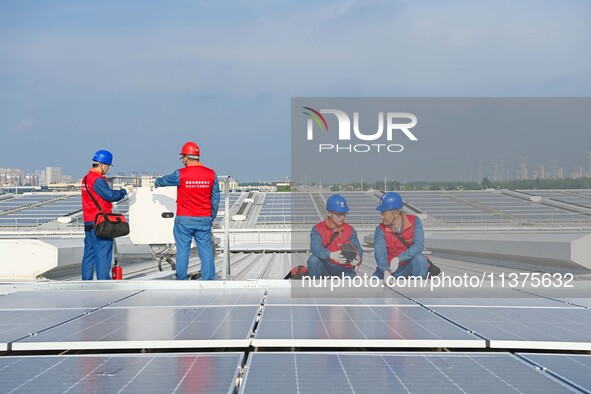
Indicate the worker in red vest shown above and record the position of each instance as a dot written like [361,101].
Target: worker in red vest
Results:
[327,240]
[98,251]
[198,196]
[392,256]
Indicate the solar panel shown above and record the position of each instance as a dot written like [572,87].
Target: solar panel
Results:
[288,208]
[443,206]
[353,296]
[15,324]
[572,368]
[428,373]
[358,326]
[133,328]
[570,197]
[40,214]
[526,328]
[62,300]
[19,202]
[479,297]
[577,295]
[141,373]
[188,298]
[522,210]
[276,208]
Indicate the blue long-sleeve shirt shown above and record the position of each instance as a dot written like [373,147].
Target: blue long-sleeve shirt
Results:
[318,249]
[174,179]
[106,193]
[381,252]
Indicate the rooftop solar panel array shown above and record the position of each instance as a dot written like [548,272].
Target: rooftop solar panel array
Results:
[116,373]
[449,210]
[170,327]
[288,208]
[297,372]
[521,210]
[222,318]
[303,209]
[276,208]
[358,326]
[526,328]
[453,207]
[278,317]
[39,214]
[130,319]
[20,202]
[571,197]
[574,369]
[386,372]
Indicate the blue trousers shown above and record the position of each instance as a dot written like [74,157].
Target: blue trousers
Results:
[98,253]
[318,268]
[187,228]
[417,266]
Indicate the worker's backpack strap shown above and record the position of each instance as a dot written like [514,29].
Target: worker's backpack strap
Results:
[432,269]
[334,235]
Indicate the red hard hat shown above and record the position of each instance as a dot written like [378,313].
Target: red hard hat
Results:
[190,148]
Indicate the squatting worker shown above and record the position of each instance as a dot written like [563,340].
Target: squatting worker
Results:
[98,251]
[392,256]
[328,239]
[198,196]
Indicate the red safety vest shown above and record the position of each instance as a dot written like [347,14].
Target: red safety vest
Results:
[393,245]
[88,206]
[326,232]
[194,191]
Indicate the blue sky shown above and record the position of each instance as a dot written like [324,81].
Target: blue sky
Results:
[142,77]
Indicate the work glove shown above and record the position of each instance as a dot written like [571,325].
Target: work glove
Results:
[338,257]
[130,189]
[394,263]
[388,279]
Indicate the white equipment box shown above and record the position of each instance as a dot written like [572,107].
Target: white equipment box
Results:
[151,215]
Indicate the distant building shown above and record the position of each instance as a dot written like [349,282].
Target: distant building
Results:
[53,175]
[576,174]
[559,173]
[541,172]
[41,176]
[522,173]
[232,185]
[32,180]
[11,177]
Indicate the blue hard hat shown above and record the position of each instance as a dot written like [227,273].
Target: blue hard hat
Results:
[336,203]
[103,156]
[389,201]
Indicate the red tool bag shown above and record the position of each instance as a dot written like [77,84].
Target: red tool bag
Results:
[110,225]
[297,272]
